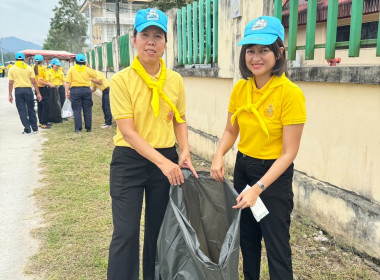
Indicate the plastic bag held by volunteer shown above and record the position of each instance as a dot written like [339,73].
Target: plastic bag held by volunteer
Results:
[199,236]
[67,111]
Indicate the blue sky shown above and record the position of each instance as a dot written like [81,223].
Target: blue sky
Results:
[28,20]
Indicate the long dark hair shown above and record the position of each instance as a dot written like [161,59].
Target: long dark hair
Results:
[36,67]
[279,68]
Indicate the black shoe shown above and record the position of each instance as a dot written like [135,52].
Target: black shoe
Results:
[77,131]
[26,133]
[88,130]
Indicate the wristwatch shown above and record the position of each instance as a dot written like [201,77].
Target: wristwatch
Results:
[261,185]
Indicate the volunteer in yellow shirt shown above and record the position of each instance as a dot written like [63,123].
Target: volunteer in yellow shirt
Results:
[43,84]
[21,78]
[57,78]
[268,111]
[148,105]
[79,91]
[102,83]
[2,70]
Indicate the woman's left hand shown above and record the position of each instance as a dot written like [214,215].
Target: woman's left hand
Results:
[185,162]
[247,198]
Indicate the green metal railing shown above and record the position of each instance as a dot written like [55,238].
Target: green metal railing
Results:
[124,50]
[197,33]
[354,44]
[109,55]
[100,58]
[93,59]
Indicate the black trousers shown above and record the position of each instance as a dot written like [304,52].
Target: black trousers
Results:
[131,175]
[25,107]
[274,227]
[81,97]
[106,106]
[43,106]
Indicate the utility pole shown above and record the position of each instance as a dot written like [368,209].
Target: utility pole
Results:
[117,18]
[1,49]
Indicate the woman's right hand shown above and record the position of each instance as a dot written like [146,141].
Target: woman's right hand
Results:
[217,168]
[173,172]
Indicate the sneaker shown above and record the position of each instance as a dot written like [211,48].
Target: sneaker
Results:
[106,126]
[88,130]
[77,131]
[26,133]
[43,126]
[35,131]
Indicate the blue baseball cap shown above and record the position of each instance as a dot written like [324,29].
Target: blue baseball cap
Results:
[19,56]
[149,17]
[80,57]
[55,61]
[38,58]
[263,30]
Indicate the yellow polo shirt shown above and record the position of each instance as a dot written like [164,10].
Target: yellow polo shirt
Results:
[20,76]
[105,83]
[285,105]
[41,76]
[80,79]
[56,78]
[2,67]
[130,97]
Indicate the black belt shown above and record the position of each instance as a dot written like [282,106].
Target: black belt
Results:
[79,87]
[256,160]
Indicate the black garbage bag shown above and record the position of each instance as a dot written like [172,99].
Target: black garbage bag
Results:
[199,236]
[54,106]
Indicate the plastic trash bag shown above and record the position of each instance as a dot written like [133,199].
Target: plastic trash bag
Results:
[199,236]
[67,111]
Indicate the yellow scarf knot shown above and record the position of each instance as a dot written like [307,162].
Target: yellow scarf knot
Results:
[80,68]
[253,108]
[21,64]
[157,88]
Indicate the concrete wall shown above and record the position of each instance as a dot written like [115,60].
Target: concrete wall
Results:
[337,183]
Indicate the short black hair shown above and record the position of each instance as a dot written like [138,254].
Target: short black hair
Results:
[279,68]
[165,34]
[80,62]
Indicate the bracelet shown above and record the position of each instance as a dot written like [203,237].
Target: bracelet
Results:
[261,185]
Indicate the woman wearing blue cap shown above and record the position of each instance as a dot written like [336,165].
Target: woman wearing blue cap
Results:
[268,111]
[148,104]
[78,89]
[57,78]
[43,84]
[21,77]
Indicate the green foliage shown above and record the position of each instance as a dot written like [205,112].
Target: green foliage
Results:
[9,56]
[68,28]
[165,5]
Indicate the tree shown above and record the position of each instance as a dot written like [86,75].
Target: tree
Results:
[68,28]
[165,5]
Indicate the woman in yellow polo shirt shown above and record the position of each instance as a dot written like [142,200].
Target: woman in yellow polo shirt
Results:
[79,91]
[148,105]
[43,83]
[268,111]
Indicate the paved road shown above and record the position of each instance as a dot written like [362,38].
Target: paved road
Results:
[19,175]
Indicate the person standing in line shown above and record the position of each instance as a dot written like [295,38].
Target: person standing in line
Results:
[102,83]
[148,104]
[268,110]
[43,83]
[2,70]
[21,78]
[79,91]
[57,78]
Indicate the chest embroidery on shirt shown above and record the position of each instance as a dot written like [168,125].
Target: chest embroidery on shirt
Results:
[269,111]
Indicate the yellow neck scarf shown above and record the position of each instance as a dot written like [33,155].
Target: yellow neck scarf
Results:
[21,64]
[80,68]
[56,74]
[156,87]
[252,108]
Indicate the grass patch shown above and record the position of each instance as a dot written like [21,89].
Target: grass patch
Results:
[74,198]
